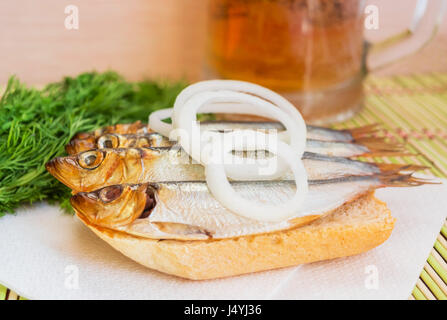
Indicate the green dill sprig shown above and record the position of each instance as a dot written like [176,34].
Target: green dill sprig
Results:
[35,126]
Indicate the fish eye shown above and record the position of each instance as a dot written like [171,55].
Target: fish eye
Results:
[90,159]
[111,193]
[108,141]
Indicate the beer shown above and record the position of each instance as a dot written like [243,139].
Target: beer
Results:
[309,50]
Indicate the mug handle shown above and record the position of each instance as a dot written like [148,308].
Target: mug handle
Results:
[427,17]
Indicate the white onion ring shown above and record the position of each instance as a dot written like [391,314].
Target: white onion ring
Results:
[222,190]
[156,124]
[233,85]
[209,96]
[163,128]
[187,123]
[240,86]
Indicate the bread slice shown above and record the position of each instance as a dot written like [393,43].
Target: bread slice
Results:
[351,229]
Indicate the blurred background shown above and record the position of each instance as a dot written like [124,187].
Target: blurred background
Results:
[148,38]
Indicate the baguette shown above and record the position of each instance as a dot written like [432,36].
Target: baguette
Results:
[351,229]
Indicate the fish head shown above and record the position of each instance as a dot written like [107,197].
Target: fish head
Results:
[135,127]
[115,206]
[80,143]
[113,140]
[93,169]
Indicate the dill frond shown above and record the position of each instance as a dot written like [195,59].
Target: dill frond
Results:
[35,125]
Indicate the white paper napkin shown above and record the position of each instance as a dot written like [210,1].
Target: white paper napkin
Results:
[49,255]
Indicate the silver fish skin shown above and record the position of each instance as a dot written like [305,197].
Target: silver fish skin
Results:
[326,134]
[340,143]
[336,148]
[329,148]
[191,205]
[172,164]
[186,210]
[313,132]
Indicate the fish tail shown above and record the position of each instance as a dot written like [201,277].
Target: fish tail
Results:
[395,168]
[359,132]
[380,147]
[403,180]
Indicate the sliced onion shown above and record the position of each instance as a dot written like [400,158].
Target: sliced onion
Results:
[192,143]
[232,85]
[156,118]
[229,96]
[222,190]
[240,86]
[156,124]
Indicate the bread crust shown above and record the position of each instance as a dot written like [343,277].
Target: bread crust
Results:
[330,237]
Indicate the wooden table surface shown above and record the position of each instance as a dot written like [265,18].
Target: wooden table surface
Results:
[145,38]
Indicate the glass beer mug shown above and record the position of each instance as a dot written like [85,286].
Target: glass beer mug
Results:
[311,51]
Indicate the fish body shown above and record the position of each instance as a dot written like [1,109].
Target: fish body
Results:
[186,210]
[367,147]
[313,132]
[139,135]
[94,169]
[330,148]
[137,182]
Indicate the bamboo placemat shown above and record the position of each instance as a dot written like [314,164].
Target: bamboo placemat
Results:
[412,109]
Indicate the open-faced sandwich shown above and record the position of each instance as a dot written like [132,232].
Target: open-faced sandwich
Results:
[224,198]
